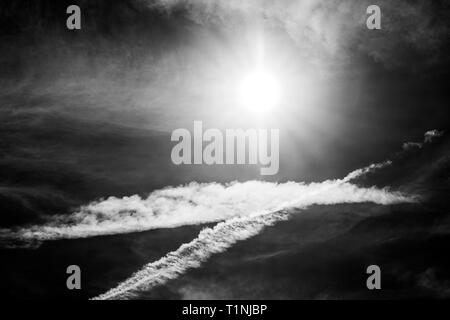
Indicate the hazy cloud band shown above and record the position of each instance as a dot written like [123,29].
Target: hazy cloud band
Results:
[197,203]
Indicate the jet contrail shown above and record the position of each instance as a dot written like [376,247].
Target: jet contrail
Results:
[191,255]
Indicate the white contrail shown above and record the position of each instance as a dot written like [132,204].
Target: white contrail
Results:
[225,234]
[192,254]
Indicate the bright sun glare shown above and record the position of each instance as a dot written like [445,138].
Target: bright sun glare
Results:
[259,92]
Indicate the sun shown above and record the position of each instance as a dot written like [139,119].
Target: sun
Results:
[259,92]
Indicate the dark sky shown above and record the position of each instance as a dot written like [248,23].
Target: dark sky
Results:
[87,114]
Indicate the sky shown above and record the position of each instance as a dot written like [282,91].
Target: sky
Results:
[96,106]
[86,117]
[130,57]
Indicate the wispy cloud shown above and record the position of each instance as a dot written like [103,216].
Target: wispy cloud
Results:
[432,134]
[199,203]
[335,28]
[429,137]
[371,168]
[195,203]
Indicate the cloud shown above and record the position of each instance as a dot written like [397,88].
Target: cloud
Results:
[363,171]
[192,204]
[199,203]
[429,137]
[429,280]
[412,145]
[225,234]
[432,134]
[335,28]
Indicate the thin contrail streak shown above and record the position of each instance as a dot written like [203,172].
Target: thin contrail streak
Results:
[191,255]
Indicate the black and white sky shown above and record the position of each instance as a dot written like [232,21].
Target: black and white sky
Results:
[144,68]
[160,64]
[87,114]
